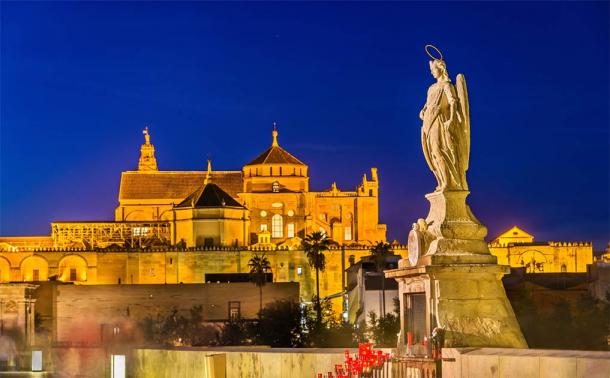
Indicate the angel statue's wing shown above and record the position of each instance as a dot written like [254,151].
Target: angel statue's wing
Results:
[462,93]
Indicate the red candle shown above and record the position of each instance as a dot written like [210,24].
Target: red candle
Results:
[409,338]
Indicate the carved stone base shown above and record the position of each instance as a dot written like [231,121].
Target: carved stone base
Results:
[470,303]
[467,300]
[454,235]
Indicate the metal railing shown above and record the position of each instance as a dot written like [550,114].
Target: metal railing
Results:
[416,367]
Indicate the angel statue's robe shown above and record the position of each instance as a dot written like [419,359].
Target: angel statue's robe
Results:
[445,138]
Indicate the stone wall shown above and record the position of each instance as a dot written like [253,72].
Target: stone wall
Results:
[524,363]
[77,362]
[237,362]
[80,311]
[171,266]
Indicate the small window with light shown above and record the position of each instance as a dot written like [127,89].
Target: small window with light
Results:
[275,187]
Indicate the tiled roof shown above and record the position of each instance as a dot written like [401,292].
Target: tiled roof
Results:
[210,195]
[276,155]
[174,185]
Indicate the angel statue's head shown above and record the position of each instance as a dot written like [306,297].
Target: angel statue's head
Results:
[439,69]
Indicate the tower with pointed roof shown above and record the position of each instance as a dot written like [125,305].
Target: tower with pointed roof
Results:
[276,192]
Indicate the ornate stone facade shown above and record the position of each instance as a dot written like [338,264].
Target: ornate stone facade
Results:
[181,226]
[274,188]
[517,248]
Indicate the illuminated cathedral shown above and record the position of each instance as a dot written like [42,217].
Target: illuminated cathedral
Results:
[196,226]
[267,203]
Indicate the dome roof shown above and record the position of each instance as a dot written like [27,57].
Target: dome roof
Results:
[275,155]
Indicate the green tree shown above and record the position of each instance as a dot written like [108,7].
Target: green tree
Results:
[176,329]
[332,332]
[314,245]
[235,332]
[380,253]
[259,267]
[279,325]
[383,329]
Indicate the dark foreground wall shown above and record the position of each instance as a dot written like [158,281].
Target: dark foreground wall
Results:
[557,311]
[86,314]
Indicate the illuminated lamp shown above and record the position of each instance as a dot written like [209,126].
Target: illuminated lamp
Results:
[36,360]
[117,366]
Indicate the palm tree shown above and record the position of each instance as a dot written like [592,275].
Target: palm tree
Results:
[314,245]
[259,267]
[380,252]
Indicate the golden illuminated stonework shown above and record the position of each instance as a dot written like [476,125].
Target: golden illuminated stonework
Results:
[183,226]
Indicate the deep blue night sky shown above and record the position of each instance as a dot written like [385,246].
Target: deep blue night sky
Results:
[344,81]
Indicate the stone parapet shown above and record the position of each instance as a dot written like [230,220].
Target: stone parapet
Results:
[524,363]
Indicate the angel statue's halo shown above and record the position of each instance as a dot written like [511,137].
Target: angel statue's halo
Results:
[430,53]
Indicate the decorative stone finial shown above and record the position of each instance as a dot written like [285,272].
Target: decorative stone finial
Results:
[208,175]
[274,134]
[147,161]
[146,135]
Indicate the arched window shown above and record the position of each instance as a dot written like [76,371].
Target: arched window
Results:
[275,187]
[277,226]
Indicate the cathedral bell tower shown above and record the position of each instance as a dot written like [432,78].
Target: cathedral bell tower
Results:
[147,162]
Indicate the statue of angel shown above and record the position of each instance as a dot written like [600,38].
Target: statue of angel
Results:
[445,130]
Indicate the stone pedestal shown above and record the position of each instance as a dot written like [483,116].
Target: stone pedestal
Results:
[452,233]
[450,263]
[467,300]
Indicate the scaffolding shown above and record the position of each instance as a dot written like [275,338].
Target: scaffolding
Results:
[107,234]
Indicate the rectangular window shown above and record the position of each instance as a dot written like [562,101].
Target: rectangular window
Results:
[263,227]
[139,231]
[299,270]
[291,230]
[347,233]
[72,274]
[35,275]
[234,310]
[415,314]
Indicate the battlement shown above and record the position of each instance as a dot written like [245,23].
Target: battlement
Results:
[548,243]
[173,248]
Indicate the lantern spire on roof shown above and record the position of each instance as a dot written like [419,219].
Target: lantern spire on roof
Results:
[208,174]
[274,134]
